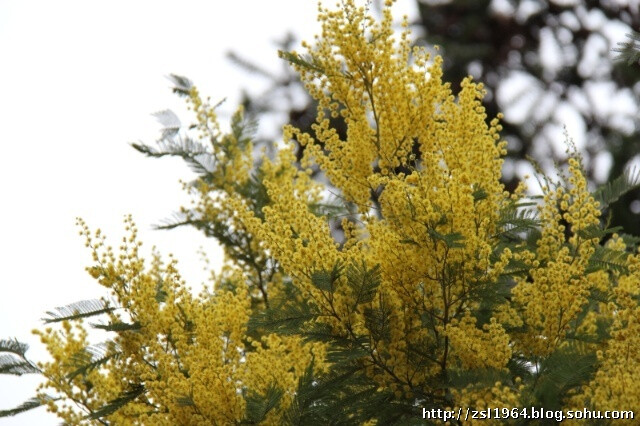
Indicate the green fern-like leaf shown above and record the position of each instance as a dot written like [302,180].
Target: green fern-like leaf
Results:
[606,259]
[243,129]
[631,241]
[13,346]
[161,293]
[629,50]
[82,309]
[338,354]
[29,404]
[181,85]
[326,280]
[323,400]
[479,194]
[451,240]
[303,401]
[176,220]
[284,318]
[259,405]
[118,326]
[595,231]
[377,320]
[255,192]
[184,147]
[560,373]
[364,282]
[92,357]
[123,399]
[610,192]
[185,401]
[305,61]
[14,361]
[195,154]
[517,222]
[170,123]
[10,364]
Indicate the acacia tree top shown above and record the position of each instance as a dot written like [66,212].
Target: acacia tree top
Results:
[444,292]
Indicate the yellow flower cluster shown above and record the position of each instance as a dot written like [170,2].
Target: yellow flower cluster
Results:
[559,283]
[479,348]
[616,382]
[191,354]
[498,396]
[435,166]
[231,152]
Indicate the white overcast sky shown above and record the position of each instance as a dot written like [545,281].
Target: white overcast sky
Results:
[78,82]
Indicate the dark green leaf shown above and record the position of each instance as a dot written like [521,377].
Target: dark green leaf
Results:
[29,404]
[515,221]
[195,154]
[479,194]
[364,282]
[561,372]
[181,85]
[123,399]
[452,240]
[610,192]
[595,231]
[118,326]
[305,61]
[185,401]
[285,318]
[170,123]
[13,346]
[243,129]
[92,357]
[629,50]
[610,260]
[83,309]
[258,405]
[9,364]
[161,294]
[325,280]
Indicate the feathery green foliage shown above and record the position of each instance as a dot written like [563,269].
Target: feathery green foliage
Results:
[92,357]
[258,406]
[29,404]
[629,51]
[611,192]
[77,310]
[135,390]
[13,360]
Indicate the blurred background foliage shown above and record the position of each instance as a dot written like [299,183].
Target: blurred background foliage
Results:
[548,65]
